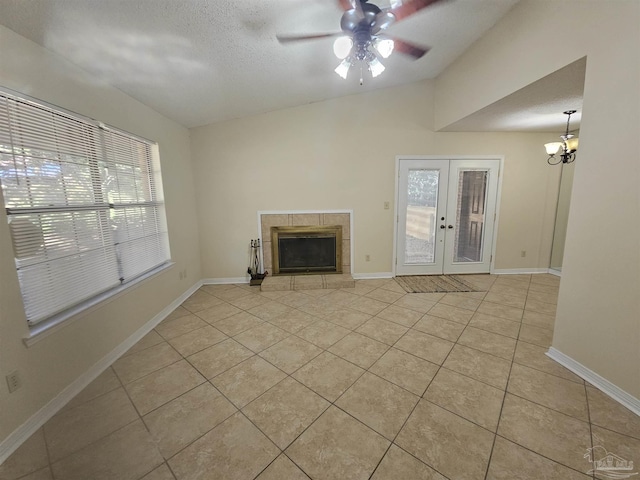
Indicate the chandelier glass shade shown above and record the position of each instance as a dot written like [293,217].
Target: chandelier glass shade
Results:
[564,151]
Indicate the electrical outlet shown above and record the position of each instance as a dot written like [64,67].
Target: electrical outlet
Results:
[13,381]
[386,205]
[523,253]
[367,258]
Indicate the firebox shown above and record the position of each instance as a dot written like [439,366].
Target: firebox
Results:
[306,250]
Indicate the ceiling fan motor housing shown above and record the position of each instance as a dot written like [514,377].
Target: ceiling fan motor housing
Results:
[359,25]
[352,20]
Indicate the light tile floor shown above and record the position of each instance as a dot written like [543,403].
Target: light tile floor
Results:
[357,383]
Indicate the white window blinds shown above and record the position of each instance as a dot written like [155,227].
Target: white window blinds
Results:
[84,204]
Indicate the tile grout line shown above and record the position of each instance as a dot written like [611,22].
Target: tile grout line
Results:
[516,443]
[366,370]
[208,431]
[144,424]
[330,403]
[47,449]
[51,462]
[94,442]
[356,381]
[504,398]
[616,432]
[540,454]
[173,474]
[333,403]
[432,380]
[586,395]
[420,397]
[237,410]
[139,416]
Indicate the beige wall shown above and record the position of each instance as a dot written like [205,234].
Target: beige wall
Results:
[562,216]
[598,320]
[53,363]
[340,154]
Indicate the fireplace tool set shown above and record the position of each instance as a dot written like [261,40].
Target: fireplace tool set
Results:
[255,267]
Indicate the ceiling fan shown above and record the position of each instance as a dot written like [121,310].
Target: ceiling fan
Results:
[363,38]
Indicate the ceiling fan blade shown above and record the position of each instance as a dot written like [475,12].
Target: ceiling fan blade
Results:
[409,49]
[297,38]
[409,8]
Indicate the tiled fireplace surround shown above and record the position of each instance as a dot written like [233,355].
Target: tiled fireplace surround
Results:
[305,218]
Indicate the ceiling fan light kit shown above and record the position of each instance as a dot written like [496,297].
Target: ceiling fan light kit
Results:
[375,66]
[566,149]
[343,68]
[363,40]
[384,46]
[342,47]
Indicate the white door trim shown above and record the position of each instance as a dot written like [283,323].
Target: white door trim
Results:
[447,157]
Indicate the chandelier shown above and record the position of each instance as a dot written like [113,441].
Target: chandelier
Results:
[566,149]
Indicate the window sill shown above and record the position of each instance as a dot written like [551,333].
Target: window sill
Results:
[58,322]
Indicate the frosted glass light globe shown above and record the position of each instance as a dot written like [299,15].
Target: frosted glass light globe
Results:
[342,47]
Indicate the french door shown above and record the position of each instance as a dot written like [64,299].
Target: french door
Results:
[446,214]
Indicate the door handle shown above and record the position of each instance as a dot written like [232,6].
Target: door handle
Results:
[442,226]
[450,226]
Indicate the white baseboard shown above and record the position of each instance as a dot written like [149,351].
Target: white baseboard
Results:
[557,273]
[372,276]
[225,281]
[231,280]
[619,395]
[37,420]
[519,271]
[501,271]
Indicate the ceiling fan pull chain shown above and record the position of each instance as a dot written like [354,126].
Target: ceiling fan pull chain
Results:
[361,76]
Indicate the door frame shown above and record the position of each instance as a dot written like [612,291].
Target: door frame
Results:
[396,214]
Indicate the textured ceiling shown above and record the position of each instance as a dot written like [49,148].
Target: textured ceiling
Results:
[204,61]
[537,107]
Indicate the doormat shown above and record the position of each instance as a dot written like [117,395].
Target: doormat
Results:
[435,284]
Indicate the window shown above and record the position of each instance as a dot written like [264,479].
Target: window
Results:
[84,203]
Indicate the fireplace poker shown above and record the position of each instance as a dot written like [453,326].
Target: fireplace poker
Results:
[254,269]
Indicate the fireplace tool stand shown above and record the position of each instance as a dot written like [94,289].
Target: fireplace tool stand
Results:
[254,269]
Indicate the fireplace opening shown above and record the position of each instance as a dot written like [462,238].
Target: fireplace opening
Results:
[306,250]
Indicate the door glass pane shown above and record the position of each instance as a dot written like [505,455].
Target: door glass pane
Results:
[472,189]
[422,201]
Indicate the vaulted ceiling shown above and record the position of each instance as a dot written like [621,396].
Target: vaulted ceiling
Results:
[204,61]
